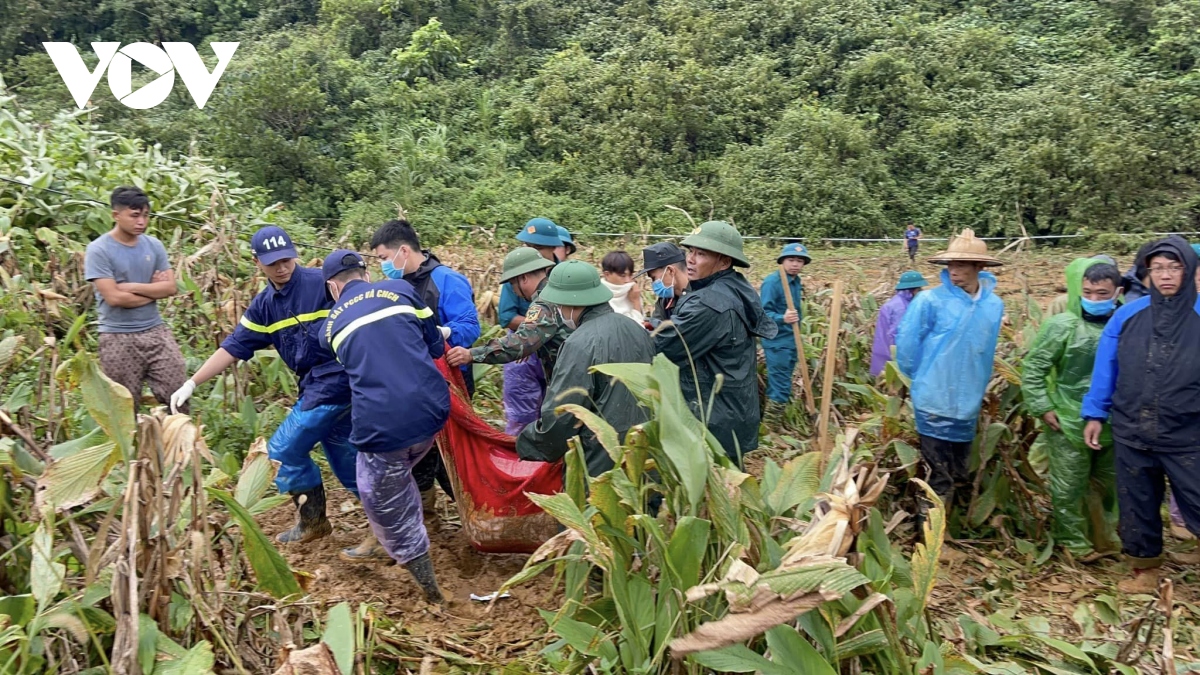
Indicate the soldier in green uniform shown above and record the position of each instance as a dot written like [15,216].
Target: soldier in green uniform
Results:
[602,336]
[713,329]
[543,330]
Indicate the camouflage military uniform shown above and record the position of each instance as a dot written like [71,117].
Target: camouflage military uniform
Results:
[542,332]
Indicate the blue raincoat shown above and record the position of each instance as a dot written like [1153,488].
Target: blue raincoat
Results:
[946,345]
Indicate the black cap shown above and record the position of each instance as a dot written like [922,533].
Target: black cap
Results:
[341,260]
[658,256]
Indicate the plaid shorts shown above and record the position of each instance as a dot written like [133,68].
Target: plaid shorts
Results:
[149,357]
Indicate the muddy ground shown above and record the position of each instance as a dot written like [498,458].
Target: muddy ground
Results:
[476,630]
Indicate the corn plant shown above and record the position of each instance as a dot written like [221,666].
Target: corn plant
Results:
[687,557]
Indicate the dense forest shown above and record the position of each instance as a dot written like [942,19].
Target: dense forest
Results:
[840,118]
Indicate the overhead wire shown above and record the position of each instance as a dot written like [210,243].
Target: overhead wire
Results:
[630,235]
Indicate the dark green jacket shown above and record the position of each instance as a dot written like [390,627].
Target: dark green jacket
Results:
[716,323]
[602,337]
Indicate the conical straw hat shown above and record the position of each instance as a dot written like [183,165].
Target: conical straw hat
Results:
[965,247]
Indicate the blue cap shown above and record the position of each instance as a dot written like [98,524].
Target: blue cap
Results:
[271,244]
[565,235]
[794,250]
[341,260]
[540,232]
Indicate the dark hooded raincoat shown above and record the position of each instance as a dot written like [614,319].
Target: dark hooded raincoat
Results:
[714,327]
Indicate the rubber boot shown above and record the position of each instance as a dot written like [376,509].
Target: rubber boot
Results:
[311,523]
[429,503]
[1144,582]
[773,416]
[368,551]
[421,569]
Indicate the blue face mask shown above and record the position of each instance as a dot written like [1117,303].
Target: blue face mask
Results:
[662,290]
[1099,307]
[389,269]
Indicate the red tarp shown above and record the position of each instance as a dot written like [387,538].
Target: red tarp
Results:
[490,481]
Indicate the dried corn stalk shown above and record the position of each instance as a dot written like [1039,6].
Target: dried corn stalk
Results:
[813,570]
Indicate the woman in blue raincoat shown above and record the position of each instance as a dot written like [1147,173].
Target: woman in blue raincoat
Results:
[945,345]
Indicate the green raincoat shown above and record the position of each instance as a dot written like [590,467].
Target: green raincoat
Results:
[1057,373]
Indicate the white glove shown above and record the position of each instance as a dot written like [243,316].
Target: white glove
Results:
[445,332]
[182,395]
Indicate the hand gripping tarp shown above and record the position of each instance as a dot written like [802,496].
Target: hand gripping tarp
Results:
[490,481]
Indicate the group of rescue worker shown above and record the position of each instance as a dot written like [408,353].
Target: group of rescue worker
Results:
[371,395]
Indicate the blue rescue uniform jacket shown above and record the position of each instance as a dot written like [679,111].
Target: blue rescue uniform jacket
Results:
[289,319]
[387,339]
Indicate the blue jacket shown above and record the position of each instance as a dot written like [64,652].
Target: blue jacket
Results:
[775,304]
[449,294]
[946,345]
[290,319]
[511,305]
[387,340]
[1146,375]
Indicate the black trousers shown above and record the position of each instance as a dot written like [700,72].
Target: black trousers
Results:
[947,461]
[1140,490]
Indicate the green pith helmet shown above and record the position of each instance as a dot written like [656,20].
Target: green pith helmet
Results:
[718,236]
[910,280]
[575,283]
[522,261]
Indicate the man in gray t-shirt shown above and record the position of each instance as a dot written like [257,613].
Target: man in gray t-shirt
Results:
[131,273]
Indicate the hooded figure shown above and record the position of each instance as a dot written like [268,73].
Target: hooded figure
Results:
[1055,377]
[712,333]
[945,345]
[1146,380]
[889,319]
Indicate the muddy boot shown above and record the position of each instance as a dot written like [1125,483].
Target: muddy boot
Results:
[429,503]
[421,569]
[773,416]
[368,551]
[1144,582]
[311,523]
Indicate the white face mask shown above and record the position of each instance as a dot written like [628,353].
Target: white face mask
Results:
[569,323]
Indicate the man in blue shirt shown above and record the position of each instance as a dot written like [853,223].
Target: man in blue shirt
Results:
[912,239]
[288,315]
[449,295]
[780,351]
[387,339]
